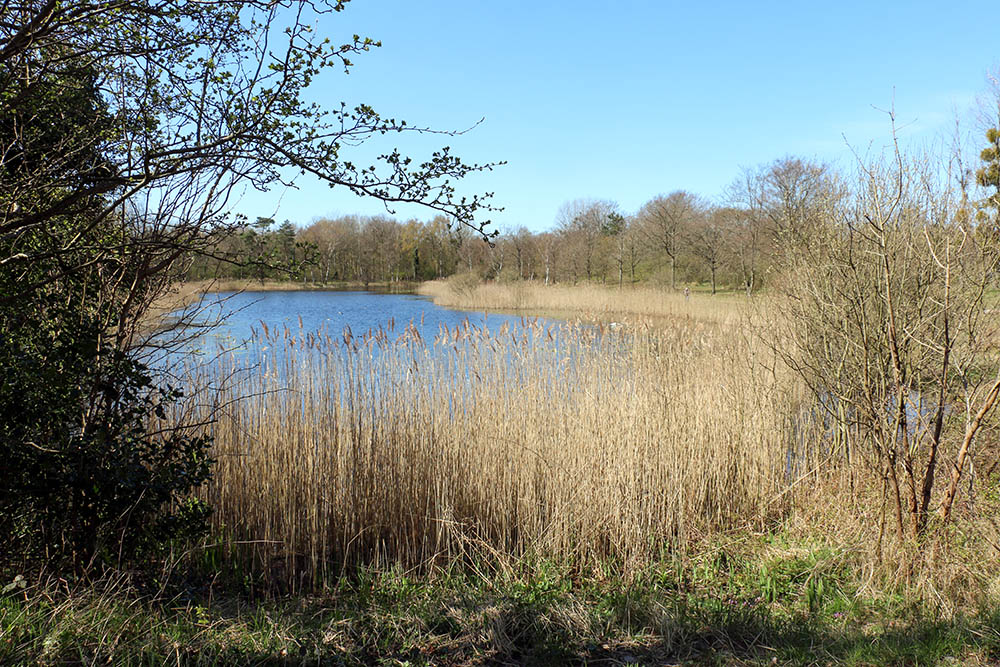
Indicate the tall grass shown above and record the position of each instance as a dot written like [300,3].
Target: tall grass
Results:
[588,446]
[592,302]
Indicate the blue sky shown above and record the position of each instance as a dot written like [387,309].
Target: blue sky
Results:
[625,100]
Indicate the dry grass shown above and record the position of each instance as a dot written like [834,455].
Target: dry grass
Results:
[590,446]
[577,444]
[591,302]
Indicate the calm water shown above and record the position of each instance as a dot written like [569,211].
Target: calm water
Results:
[340,335]
[231,320]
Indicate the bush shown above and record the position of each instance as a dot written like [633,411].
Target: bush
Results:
[91,471]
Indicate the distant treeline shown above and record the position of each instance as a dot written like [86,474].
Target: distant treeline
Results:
[675,239]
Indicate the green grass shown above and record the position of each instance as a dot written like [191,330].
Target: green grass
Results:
[775,604]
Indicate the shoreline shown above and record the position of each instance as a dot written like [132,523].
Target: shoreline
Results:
[526,299]
[251,285]
[184,293]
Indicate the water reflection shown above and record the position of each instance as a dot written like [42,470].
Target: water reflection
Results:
[235,318]
[833,427]
[363,344]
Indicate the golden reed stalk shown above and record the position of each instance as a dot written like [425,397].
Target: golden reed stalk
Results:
[584,445]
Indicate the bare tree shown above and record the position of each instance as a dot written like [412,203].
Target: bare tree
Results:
[886,324]
[439,250]
[626,246]
[747,195]
[632,247]
[498,253]
[663,221]
[472,251]
[523,243]
[707,239]
[333,240]
[549,244]
[581,223]
[798,196]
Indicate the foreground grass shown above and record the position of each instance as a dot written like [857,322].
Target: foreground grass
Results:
[781,604]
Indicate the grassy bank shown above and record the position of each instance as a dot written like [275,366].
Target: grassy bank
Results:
[744,603]
[590,302]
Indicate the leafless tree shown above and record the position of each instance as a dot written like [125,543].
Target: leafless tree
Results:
[747,195]
[523,243]
[664,220]
[798,196]
[581,224]
[706,236]
[884,298]
[549,244]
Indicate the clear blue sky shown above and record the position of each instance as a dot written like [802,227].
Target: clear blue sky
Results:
[625,100]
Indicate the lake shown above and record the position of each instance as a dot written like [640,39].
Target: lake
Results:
[232,319]
[243,325]
[361,347]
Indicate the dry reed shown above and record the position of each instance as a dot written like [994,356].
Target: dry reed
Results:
[584,445]
[591,302]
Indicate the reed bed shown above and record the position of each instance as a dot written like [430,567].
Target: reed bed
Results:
[585,445]
[590,302]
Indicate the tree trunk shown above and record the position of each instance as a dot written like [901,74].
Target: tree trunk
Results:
[898,500]
[963,452]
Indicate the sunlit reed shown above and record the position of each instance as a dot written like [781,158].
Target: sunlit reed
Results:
[590,302]
[584,445]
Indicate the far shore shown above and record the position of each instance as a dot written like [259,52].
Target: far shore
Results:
[591,302]
[185,293]
[250,285]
